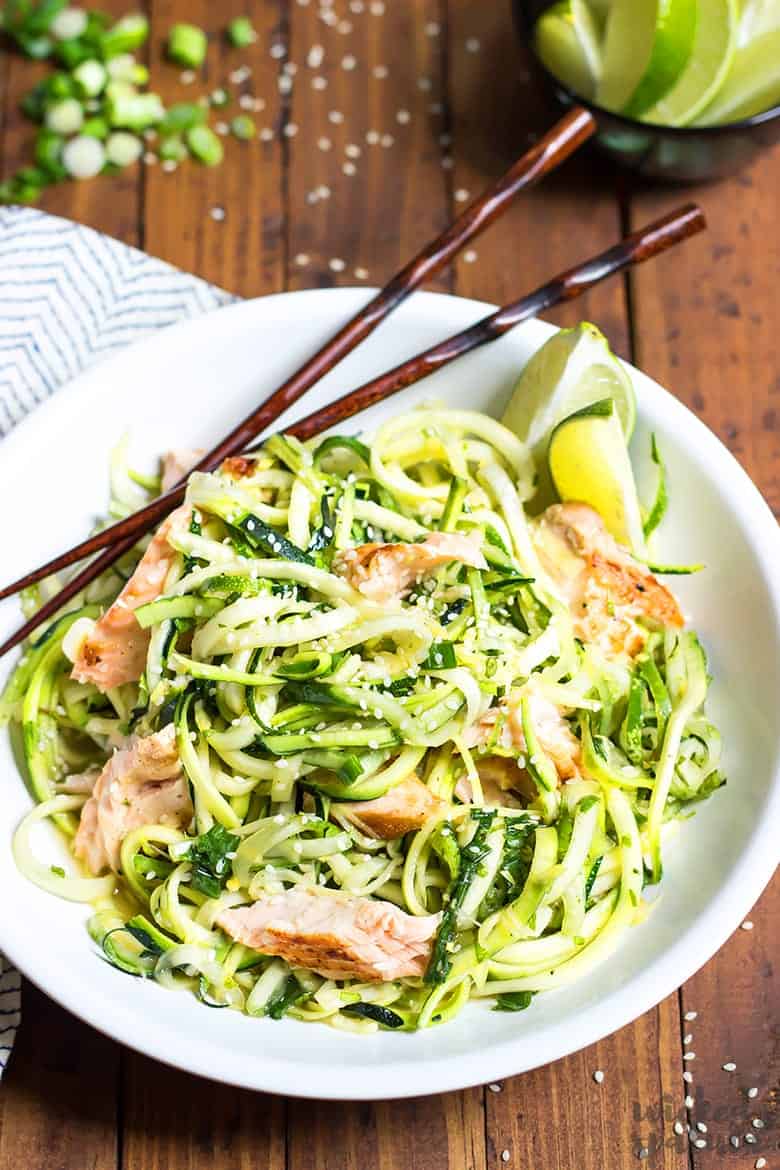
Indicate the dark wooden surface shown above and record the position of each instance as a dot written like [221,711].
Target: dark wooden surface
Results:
[440,82]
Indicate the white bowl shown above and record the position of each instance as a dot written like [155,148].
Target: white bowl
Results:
[186,386]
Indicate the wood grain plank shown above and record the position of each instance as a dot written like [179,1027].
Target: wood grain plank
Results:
[366,187]
[560,1116]
[496,113]
[244,251]
[111,205]
[174,1121]
[713,335]
[59,1096]
[444,1132]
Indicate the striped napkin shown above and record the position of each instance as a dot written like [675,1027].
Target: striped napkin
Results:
[69,297]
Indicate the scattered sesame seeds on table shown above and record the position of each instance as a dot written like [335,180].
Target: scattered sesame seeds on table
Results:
[379,122]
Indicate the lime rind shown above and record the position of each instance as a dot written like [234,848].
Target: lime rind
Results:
[752,85]
[647,46]
[708,66]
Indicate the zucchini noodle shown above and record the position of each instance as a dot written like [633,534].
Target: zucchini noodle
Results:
[366,685]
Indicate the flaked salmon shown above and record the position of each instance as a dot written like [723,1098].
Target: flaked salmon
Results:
[340,936]
[178,464]
[114,652]
[502,728]
[403,808]
[142,784]
[386,572]
[612,597]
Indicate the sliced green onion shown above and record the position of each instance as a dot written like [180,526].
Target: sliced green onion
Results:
[65,117]
[123,149]
[241,32]
[127,110]
[242,126]
[182,116]
[91,77]
[187,45]
[127,35]
[205,146]
[48,153]
[68,23]
[83,157]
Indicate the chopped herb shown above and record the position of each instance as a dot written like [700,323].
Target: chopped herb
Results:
[374,1011]
[211,867]
[513,1001]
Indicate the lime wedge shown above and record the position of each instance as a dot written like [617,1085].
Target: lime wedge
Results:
[573,369]
[758,17]
[647,46]
[713,52]
[588,460]
[567,41]
[752,85]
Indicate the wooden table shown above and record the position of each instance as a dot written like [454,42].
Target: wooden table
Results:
[440,85]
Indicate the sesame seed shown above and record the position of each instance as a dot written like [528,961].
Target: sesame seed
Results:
[387,140]
[751,1139]
[324,143]
[689,1102]
[760,1163]
[473,45]
[169,165]
[702,1128]
[380,72]
[598,1076]
[302,259]
[691,1015]
[240,75]
[372,137]
[284,84]
[351,150]
[461,195]
[687,1076]
[752,1093]
[290,68]
[691,1056]
[734,1141]
[643,1153]
[277,51]
[315,56]
[432,28]
[729,1066]
[747,924]
[246,101]
[222,128]
[344,27]
[700,1143]
[336,117]
[470,256]
[150,158]
[290,130]
[447,162]
[357,6]
[377,8]
[425,84]
[403,117]
[349,168]
[757,1123]
[362,274]
[336,264]
[494,1087]
[217,213]
[324,193]
[187,77]
[319,83]
[266,134]
[688,1039]
[505,1155]
[435,108]
[679,1128]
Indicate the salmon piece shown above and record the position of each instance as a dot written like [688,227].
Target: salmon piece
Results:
[80,783]
[340,936]
[238,466]
[500,778]
[403,808]
[142,784]
[608,592]
[386,572]
[502,727]
[178,464]
[114,652]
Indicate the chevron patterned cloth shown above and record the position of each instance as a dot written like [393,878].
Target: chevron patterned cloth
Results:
[69,297]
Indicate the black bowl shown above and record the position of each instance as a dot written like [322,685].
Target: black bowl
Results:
[674,154]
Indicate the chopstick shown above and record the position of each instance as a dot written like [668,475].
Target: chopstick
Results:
[547,154]
[641,245]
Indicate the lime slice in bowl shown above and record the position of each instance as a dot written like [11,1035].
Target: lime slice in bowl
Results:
[713,51]
[752,85]
[647,46]
[589,462]
[758,17]
[567,41]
